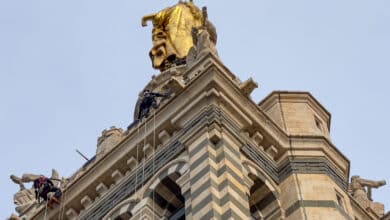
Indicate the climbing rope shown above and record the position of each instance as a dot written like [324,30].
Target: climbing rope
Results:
[136,166]
[45,217]
[62,206]
[144,156]
[143,160]
[153,158]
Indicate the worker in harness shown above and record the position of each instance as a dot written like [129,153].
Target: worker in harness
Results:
[148,101]
[42,187]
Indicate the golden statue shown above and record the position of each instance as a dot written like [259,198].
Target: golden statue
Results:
[172,33]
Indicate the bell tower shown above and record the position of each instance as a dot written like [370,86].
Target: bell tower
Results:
[206,150]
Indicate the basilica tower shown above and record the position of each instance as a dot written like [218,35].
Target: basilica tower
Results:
[207,150]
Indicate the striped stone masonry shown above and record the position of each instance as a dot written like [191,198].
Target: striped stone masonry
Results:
[216,179]
[184,183]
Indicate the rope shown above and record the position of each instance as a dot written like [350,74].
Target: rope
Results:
[62,206]
[45,210]
[143,162]
[144,157]
[154,147]
[136,166]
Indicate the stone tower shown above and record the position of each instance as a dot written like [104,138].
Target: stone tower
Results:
[210,152]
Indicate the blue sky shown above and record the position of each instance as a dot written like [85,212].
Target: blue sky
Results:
[69,69]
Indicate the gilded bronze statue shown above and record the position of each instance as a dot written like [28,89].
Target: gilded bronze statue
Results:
[172,33]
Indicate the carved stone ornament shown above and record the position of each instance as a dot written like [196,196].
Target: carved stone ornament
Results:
[25,198]
[361,190]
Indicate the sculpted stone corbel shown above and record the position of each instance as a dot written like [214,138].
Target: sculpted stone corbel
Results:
[248,86]
[25,198]
[361,190]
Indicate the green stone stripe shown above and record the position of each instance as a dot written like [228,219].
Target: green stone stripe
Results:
[221,202]
[212,214]
[225,183]
[202,173]
[208,184]
[188,210]
[187,201]
[219,188]
[317,204]
[266,201]
[205,202]
[209,169]
[220,156]
[228,157]
[274,213]
[229,198]
[221,171]
[231,214]
[207,155]
[202,159]
[198,148]
[226,169]
[225,144]
[228,183]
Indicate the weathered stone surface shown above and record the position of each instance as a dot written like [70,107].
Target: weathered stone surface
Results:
[274,160]
[117,176]
[101,189]
[109,139]
[71,214]
[86,202]
[361,189]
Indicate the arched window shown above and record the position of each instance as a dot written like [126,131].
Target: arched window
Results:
[263,194]
[122,212]
[169,199]
[165,192]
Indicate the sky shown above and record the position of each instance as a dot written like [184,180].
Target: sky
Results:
[70,69]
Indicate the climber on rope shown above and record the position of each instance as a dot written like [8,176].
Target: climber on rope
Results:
[148,101]
[42,187]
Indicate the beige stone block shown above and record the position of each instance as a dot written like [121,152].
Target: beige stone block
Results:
[148,150]
[117,176]
[164,137]
[258,138]
[184,182]
[86,202]
[71,214]
[289,192]
[272,151]
[323,213]
[132,163]
[101,189]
